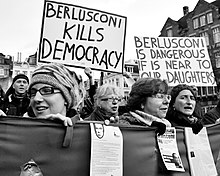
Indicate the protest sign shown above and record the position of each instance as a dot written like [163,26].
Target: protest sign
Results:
[82,37]
[179,60]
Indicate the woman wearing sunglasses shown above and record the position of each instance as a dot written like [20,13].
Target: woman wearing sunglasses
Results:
[107,100]
[55,93]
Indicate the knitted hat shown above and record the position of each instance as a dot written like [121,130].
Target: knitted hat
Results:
[20,76]
[58,76]
[177,89]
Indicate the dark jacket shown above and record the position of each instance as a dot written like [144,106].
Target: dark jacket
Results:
[177,118]
[212,115]
[99,114]
[15,105]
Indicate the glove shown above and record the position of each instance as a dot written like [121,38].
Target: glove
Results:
[196,127]
[161,127]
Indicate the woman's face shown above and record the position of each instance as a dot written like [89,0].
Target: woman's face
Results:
[157,105]
[185,102]
[110,103]
[50,103]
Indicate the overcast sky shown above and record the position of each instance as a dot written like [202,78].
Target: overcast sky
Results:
[20,20]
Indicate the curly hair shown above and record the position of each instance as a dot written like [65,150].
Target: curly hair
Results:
[143,88]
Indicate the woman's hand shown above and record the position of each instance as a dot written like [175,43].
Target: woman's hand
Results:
[66,120]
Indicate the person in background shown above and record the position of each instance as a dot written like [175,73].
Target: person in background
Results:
[55,93]
[88,103]
[16,100]
[198,109]
[212,116]
[148,104]
[182,107]
[107,99]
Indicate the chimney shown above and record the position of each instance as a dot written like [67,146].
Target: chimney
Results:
[185,10]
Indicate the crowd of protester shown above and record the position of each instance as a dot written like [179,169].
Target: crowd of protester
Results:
[54,92]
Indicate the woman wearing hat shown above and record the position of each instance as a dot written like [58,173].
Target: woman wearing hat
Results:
[55,93]
[182,108]
[16,100]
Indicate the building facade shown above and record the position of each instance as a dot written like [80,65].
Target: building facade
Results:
[202,21]
[6,70]
[118,80]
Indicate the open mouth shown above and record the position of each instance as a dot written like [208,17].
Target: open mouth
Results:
[41,108]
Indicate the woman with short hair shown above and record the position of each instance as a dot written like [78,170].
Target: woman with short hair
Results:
[107,99]
[147,104]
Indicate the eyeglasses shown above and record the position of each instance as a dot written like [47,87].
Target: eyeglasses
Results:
[116,99]
[162,96]
[43,91]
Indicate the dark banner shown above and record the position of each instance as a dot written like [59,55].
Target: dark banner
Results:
[56,150]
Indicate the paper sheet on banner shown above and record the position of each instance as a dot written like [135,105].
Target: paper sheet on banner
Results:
[199,153]
[169,150]
[106,150]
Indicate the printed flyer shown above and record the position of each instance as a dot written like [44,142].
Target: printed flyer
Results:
[106,150]
[169,150]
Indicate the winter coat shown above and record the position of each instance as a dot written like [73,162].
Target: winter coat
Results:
[212,115]
[16,105]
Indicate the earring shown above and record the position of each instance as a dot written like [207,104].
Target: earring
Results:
[65,103]
[142,106]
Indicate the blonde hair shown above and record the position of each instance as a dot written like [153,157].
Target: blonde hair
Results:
[105,90]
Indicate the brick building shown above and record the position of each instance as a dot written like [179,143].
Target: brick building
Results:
[202,21]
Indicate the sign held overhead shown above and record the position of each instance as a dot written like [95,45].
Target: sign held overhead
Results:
[82,37]
[179,60]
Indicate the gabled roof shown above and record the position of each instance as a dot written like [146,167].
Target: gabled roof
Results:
[171,21]
[216,3]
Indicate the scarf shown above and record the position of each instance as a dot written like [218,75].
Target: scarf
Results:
[147,119]
[100,114]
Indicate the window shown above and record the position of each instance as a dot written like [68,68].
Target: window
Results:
[17,72]
[125,84]
[117,82]
[2,72]
[202,20]
[126,95]
[206,36]
[211,90]
[195,23]
[169,33]
[199,91]
[217,59]
[204,91]
[217,62]
[1,61]
[113,81]
[209,18]
[25,73]
[216,35]
[129,69]
[31,73]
